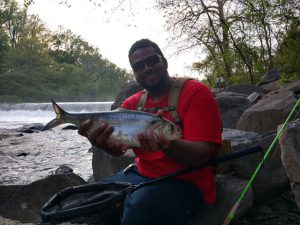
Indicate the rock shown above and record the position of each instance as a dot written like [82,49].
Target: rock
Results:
[229,188]
[105,165]
[254,97]
[70,127]
[293,86]
[270,86]
[245,89]
[30,128]
[268,113]
[271,171]
[62,169]
[270,76]
[290,154]
[22,154]
[126,91]
[240,139]
[232,107]
[23,202]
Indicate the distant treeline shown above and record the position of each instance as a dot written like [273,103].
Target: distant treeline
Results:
[241,41]
[37,64]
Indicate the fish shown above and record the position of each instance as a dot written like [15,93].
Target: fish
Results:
[127,124]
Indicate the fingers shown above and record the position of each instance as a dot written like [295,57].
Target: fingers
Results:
[84,127]
[100,135]
[151,141]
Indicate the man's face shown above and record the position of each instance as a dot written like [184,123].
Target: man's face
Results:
[148,68]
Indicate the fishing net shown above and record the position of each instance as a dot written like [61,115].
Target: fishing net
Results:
[102,203]
[99,203]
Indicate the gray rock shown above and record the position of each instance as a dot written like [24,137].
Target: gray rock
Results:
[290,154]
[268,113]
[292,86]
[229,188]
[270,76]
[271,171]
[23,202]
[62,169]
[232,107]
[126,91]
[254,97]
[105,165]
[268,87]
[245,89]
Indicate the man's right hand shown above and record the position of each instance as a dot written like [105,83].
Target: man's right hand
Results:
[100,137]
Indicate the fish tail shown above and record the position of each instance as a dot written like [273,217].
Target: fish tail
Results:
[58,120]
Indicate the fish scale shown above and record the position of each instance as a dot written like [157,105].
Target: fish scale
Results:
[127,124]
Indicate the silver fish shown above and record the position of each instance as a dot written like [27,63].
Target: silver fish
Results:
[127,124]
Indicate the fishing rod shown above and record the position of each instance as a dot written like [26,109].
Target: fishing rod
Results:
[235,207]
[214,161]
[109,194]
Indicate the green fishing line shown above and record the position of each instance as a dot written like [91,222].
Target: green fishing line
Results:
[231,214]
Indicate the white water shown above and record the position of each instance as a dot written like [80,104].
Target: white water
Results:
[45,151]
[16,115]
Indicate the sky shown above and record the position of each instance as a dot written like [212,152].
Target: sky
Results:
[114,33]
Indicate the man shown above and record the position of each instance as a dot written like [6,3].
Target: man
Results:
[172,201]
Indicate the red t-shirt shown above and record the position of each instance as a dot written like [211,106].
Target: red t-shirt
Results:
[200,115]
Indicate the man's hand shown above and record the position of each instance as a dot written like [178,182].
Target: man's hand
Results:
[151,141]
[100,137]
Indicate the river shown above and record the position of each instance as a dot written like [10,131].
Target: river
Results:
[26,157]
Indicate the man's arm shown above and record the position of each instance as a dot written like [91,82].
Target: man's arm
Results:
[189,153]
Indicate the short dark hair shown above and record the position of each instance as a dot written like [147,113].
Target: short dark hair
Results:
[145,43]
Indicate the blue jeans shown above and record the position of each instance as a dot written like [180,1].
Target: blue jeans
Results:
[167,202]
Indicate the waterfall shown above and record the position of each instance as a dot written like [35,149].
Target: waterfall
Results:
[16,115]
[67,106]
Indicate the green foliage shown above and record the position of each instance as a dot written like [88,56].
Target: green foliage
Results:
[240,39]
[288,54]
[37,64]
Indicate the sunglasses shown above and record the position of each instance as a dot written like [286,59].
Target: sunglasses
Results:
[150,61]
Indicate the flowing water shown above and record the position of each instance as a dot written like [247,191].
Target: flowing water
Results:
[26,157]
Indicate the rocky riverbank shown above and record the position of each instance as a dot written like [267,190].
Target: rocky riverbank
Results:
[251,116]
[26,157]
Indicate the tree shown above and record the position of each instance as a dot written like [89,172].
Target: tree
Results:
[288,53]
[230,32]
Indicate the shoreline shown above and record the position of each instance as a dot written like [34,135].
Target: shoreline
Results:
[27,157]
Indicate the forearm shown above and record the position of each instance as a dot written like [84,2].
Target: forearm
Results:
[189,152]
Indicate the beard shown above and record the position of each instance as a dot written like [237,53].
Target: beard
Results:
[153,81]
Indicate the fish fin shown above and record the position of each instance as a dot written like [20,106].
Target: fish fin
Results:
[57,109]
[53,123]
[58,120]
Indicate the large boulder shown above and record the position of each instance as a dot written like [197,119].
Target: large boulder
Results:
[245,89]
[126,91]
[270,86]
[293,86]
[232,106]
[105,165]
[272,170]
[268,113]
[229,188]
[23,202]
[270,76]
[290,154]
